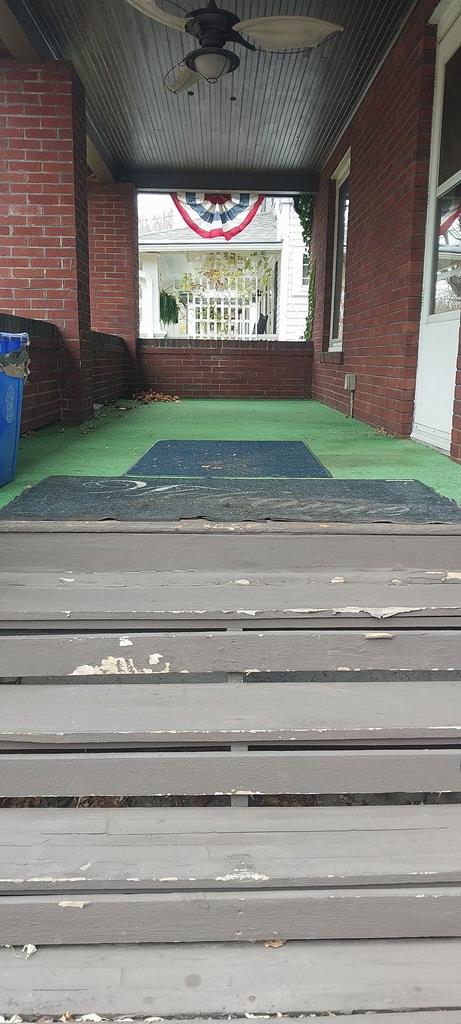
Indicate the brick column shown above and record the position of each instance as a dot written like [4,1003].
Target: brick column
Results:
[43,213]
[113,247]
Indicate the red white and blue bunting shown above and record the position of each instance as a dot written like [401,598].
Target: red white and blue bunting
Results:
[216,215]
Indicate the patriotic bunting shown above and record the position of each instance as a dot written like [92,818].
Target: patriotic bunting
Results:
[450,217]
[216,215]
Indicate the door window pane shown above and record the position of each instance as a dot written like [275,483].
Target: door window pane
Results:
[340,265]
[447,286]
[450,150]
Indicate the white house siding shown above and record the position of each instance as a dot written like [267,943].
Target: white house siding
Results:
[293,295]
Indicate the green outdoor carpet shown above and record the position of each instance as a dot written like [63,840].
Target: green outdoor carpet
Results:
[119,436]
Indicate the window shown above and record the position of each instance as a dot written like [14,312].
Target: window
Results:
[341,179]
[446,278]
[305,275]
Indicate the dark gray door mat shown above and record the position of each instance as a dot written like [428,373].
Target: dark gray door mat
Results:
[229,459]
[164,500]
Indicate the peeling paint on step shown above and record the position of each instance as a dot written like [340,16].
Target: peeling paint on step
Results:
[240,875]
[112,665]
[77,904]
[374,613]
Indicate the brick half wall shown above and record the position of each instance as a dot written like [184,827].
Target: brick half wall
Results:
[226,369]
[43,392]
[112,368]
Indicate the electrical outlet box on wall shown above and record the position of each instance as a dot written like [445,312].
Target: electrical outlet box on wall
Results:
[350,381]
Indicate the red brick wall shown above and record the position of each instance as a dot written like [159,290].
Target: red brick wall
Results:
[44,391]
[113,247]
[390,148]
[111,367]
[456,435]
[42,399]
[224,369]
[43,212]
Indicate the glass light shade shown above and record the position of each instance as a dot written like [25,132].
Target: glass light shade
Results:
[212,66]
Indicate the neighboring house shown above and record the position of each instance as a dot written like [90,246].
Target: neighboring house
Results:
[265,293]
[293,290]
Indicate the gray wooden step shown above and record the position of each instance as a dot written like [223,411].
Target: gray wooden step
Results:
[89,877]
[205,979]
[176,849]
[351,711]
[155,773]
[239,916]
[131,653]
[144,599]
[250,547]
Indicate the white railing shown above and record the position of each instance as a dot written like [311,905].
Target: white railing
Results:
[221,312]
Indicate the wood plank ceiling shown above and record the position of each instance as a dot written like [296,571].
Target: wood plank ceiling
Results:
[288,112]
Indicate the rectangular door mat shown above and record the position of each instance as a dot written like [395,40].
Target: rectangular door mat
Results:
[163,500]
[229,459]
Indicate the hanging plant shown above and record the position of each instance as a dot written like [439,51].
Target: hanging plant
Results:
[304,206]
[230,272]
[169,309]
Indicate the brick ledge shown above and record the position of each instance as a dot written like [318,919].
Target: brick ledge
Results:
[332,357]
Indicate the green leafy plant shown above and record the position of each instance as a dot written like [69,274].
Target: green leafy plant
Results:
[311,303]
[304,206]
[169,309]
[230,272]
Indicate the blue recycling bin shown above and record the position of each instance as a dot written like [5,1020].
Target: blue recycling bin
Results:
[14,368]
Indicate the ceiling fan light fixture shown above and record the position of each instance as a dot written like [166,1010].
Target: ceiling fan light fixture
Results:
[212,62]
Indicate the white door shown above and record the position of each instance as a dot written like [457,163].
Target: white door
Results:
[439,333]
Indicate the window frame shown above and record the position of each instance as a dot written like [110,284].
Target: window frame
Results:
[341,174]
[446,48]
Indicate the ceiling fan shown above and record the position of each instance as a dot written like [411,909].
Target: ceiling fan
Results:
[214,27]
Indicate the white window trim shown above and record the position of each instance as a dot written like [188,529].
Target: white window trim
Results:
[339,177]
[302,287]
[444,16]
[449,40]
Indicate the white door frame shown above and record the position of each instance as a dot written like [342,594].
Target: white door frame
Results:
[433,325]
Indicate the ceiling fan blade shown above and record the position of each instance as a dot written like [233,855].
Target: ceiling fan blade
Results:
[186,79]
[150,8]
[286,33]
